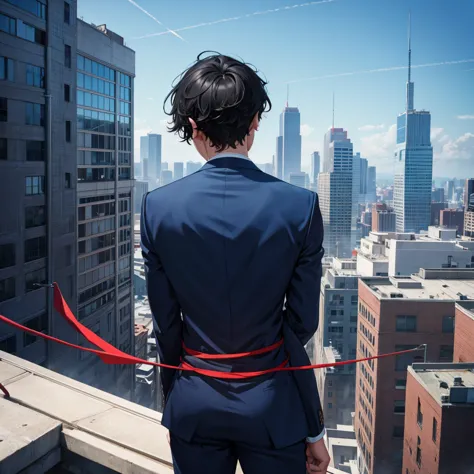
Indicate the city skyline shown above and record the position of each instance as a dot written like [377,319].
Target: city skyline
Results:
[366,104]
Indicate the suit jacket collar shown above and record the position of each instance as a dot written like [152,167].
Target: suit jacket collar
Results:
[230,162]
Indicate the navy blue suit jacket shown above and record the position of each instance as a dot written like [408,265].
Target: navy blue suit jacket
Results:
[233,263]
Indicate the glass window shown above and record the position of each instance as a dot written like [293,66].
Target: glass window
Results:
[398,431]
[7,72]
[3,109]
[67,180]
[67,93]
[401,384]
[36,7]
[399,406]
[7,24]
[3,149]
[8,344]
[33,278]
[446,353]
[35,150]
[34,185]
[67,13]
[7,255]
[406,324]
[7,291]
[67,55]
[80,62]
[40,324]
[448,324]
[34,114]
[68,130]
[35,248]
[434,434]
[402,361]
[34,76]
[34,216]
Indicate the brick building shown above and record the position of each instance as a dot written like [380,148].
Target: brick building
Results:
[464,332]
[396,314]
[439,419]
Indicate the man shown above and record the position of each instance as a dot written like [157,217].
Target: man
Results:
[233,264]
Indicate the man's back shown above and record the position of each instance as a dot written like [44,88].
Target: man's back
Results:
[233,266]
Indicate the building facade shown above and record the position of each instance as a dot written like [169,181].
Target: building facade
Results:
[439,419]
[371,196]
[37,174]
[315,169]
[399,314]
[464,332]
[288,154]
[452,219]
[298,179]
[413,165]
[383,218]
[336,193]
[178,170]
[336,339]
[154,159]
[144,156]
[192,167]
[105,75]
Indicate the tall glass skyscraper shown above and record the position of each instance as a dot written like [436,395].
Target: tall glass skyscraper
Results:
[336,193]
[154,158]
[288,156]
[413,165]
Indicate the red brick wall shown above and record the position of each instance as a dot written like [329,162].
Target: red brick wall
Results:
[463,336]
[430,450]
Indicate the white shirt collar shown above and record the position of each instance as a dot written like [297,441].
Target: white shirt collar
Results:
[229,155]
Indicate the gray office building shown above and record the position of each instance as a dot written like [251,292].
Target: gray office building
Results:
[336,339]
[105,75]
[315,168]
[192,167]
[144,156]
[178,170]
[38,175]
[154,158]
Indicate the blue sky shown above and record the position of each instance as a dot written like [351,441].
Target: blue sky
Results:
[311,41]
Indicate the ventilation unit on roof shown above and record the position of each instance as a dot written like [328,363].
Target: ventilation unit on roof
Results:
[457,382]
[396,295]
[443,384]
[444,398]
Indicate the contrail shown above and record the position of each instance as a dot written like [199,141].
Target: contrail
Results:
[235,18]
[135,4]
[383,69]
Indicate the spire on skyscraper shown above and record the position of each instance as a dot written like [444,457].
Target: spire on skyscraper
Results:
[410,85]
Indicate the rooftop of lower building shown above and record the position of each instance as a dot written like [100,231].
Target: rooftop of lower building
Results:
[429,284]
[467,307]
[448,383]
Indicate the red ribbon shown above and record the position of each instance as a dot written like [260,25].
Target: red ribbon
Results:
[111,355]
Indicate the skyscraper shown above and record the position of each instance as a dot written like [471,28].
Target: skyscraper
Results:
[364,164]
[315,169]
[105,82]
[298,179]
[289,143]
[192,167]
[355,229]
[469,195]
[38,175]
[154,157]
[278,162]
[144,155]
[372,185]
[335,193]
[178,170]
[413,164]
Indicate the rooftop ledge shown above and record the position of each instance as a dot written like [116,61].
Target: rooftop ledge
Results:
[51,420]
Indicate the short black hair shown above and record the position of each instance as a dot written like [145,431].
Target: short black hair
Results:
[222,95]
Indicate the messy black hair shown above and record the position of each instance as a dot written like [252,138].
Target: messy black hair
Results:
[222,95]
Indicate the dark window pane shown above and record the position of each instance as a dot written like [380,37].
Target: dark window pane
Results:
[34,76]
[67,55]
[40,324]
[406,324]
[34,216]
[8,344]
[34,185]
[68,130]
[6,69]
[448,324]
[35,248]
[35,150]
[7,255]
[31,278]
[7,24]
[67,93]
[3,149]
[67,13]
[446,353]
[36,7]
[3,109]
[7,289]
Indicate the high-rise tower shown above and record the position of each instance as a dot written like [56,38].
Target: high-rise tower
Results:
[413,163]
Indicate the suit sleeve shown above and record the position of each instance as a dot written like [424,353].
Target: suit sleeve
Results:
[302,296]
[164,306]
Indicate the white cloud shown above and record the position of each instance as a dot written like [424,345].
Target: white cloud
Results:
[379,147]
[306,130]
[465,117]
[458,149]
[371,128]
[435,133]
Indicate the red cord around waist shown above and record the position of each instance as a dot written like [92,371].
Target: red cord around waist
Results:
[239,355]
